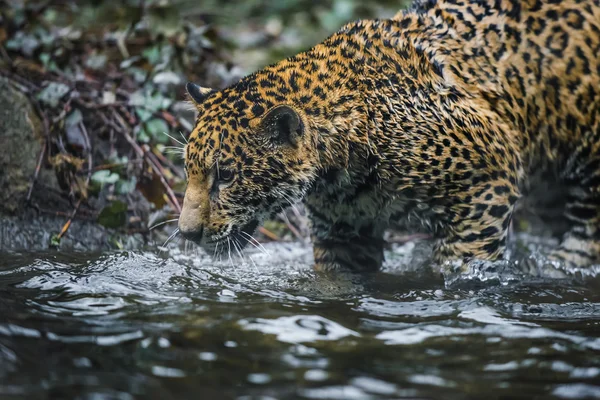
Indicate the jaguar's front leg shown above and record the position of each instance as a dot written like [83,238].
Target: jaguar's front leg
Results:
[478,229]
[346,245]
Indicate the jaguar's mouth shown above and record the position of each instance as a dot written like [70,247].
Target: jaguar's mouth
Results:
[244,235]
[237,239]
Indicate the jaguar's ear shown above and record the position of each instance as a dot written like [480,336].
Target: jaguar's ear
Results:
[282,125]
[197,93]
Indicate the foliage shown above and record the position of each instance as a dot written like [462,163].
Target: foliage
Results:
[108,81]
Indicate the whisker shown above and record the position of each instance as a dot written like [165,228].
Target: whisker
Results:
[183,137]
[176,153]
[182,144]
[162,223]
[163,247]
[229,251]
[291,203]
[297,213]
[239,247]
[255,246]
[215,252]
[171,237]
[254,242]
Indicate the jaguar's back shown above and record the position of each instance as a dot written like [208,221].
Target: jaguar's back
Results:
[536,62]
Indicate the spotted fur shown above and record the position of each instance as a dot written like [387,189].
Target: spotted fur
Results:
[440,115]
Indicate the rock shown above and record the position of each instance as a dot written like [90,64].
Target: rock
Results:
[20,141]
[33,232]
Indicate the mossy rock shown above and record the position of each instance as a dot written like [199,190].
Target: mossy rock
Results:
[21,133]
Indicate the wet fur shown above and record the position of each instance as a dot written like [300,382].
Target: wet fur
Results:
[442,115]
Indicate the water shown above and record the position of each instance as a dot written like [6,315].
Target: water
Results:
[129,325]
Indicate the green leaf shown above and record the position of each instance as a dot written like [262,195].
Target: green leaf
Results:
[137,98]
[114,215]
[157,102]
[126,186]
[74,118]
[166,78]
[146,104]
[52,93]
[138,74]
[54,241]
[96,61]
[105,177]
[45,58]
[24,43]
[143,114]
[141,134]
[152,55]
[156,129]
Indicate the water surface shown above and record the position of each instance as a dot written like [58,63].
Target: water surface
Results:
[177,325]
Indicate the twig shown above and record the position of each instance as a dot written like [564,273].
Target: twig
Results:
[5,55]
[269,234]
[37,170]
[130,117]
[67,224]
[292,228]
[20,80]
[154,164]
[110,166]
[170,164]
[125,129]
[157,168]
[399,239]
[88,144]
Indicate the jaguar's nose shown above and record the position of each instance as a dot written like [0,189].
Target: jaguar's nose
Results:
[194,212]
[193,235]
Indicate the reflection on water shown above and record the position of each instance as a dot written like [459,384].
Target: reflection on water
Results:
[175,325]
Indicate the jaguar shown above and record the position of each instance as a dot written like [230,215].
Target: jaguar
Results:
[446,115]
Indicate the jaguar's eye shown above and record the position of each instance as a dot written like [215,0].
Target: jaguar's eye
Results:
[224,175]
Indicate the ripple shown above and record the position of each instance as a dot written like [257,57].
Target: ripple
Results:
[15,330]
[372,385]
[571,311]
[430,380]
[124,274]
[420,334]
[577,391]
[259,378]
[335,392]
[299,328]
[167,372]
[84,306]
[101,340]
[421,309]
[487,315]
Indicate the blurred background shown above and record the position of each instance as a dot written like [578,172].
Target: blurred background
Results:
[92,102]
